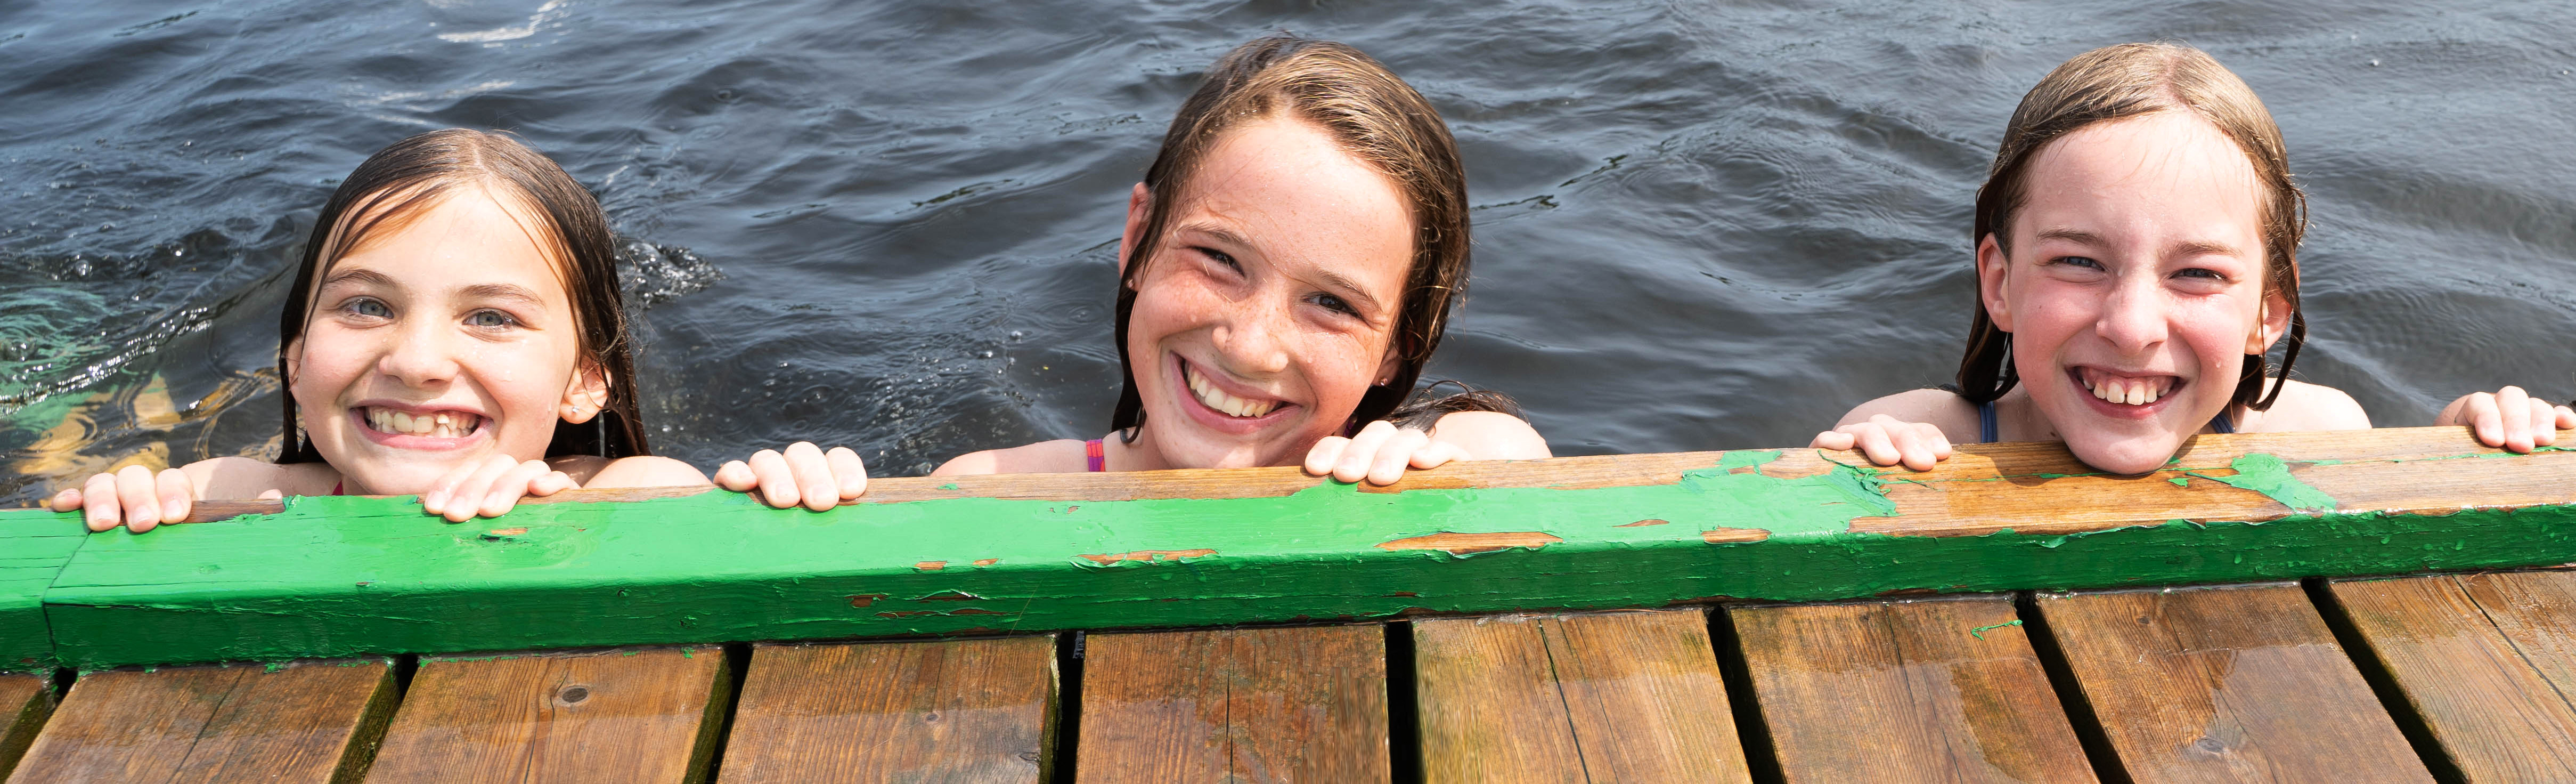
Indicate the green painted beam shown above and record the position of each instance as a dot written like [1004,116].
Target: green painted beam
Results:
[346,576]
[34,545]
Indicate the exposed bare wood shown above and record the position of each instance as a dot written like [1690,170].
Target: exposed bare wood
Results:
[950,711]
[2488,660]
[630,716]
[1300,704]
[1595,697]
[313,722]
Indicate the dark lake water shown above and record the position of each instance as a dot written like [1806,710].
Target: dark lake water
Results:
[891,224]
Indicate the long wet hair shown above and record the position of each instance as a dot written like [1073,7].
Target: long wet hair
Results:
[398,183]
[2120,82]
[1372,115]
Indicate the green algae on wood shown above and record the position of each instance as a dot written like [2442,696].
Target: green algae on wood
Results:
[340,576]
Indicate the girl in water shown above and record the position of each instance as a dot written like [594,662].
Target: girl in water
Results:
[456,309]
[1287,268]
[2137,242]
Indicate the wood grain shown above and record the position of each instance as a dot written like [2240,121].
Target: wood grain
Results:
[25,702]
[1596,697]
[2488,661]
[948,711]
[1301,704]
[307,722]
[1942,689]
[2235,683]
[627,715]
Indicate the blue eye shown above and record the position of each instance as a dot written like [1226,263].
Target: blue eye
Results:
[1220,257]
[368,307]
[1332,303]
[2197,272]
[2077,261]
[490,319]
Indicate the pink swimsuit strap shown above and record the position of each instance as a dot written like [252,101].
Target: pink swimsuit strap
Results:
[1096,455]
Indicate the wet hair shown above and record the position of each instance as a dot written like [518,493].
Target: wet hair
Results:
[2116,83]
[1370,114]
[402,181]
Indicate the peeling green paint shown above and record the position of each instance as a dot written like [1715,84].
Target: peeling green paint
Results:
[343,576]
[1980,632]
[2267,474]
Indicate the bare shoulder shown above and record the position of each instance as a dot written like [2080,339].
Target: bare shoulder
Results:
[2305,406]
[1062,455]
[1939,408]
[236,477]
[1491,435]
[641,471]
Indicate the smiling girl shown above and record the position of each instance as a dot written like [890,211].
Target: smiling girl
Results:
[456,307]
[1287,268]
[2137,242]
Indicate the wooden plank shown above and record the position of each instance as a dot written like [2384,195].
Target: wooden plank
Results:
[648,715]
[2488,661]
[2236,683]
[1305,704]
[950,711]
[334,576]
[1625,696]
[304,722]
[25,702]
[1914,690]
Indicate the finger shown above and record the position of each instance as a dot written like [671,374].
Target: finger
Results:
[443,491]
[1356,458]
[2566,418]
[736,475]
[1395,454]
[468,498]
[550,483]
[1832,439]
[1875,445]
[178,493]
[510,487]
[65,501]
[849,471]
[814,482]
[1911,449]
[134,493]
[2483,419]
[777,484]
[1327,453]
[2513,406]
[1939,441]
[2544,423]
[1438,453]
[103,510]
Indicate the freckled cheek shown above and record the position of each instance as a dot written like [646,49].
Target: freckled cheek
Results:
[1337,370]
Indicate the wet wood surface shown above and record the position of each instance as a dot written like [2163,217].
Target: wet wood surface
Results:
[1296,704]
[948,711]
[25,702]
[1942,689]
[1596,697]
[2233,683]
[2488,661]
[627,715]
[304,722]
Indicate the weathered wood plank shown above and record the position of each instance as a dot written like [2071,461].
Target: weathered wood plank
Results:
[1913,690]
[25,702]
[949,711]
[2488,661]
[335,576]
[1305,704]
[2237,683]
[637,716]
[311,722]
[1597,697]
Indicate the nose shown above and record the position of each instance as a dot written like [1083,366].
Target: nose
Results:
[2134,317]
[418,354]
[1249,340]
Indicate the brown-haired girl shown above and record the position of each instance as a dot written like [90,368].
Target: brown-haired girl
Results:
[2137,255]
[1287,267]
[456,307]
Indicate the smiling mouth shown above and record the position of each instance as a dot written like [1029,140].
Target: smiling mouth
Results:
[443,424]
[1212,397]
[2123,390]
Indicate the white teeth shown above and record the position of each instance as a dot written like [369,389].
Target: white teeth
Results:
[402,422]
[2135,393]
[1218,399]
[440,425]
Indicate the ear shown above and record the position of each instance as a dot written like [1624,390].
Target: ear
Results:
[586,395]
[1991,267]
[1140,207]
[1393,362]
[2274,320]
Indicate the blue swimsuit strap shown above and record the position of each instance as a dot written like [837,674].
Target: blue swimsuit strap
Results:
[1986,422]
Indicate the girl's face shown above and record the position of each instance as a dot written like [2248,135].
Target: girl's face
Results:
[1269,306]
[2134,288]
[440,342]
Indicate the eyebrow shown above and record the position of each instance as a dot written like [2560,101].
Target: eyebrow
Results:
[357,276]
[502,291]
[2073,235]
[2185,248]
